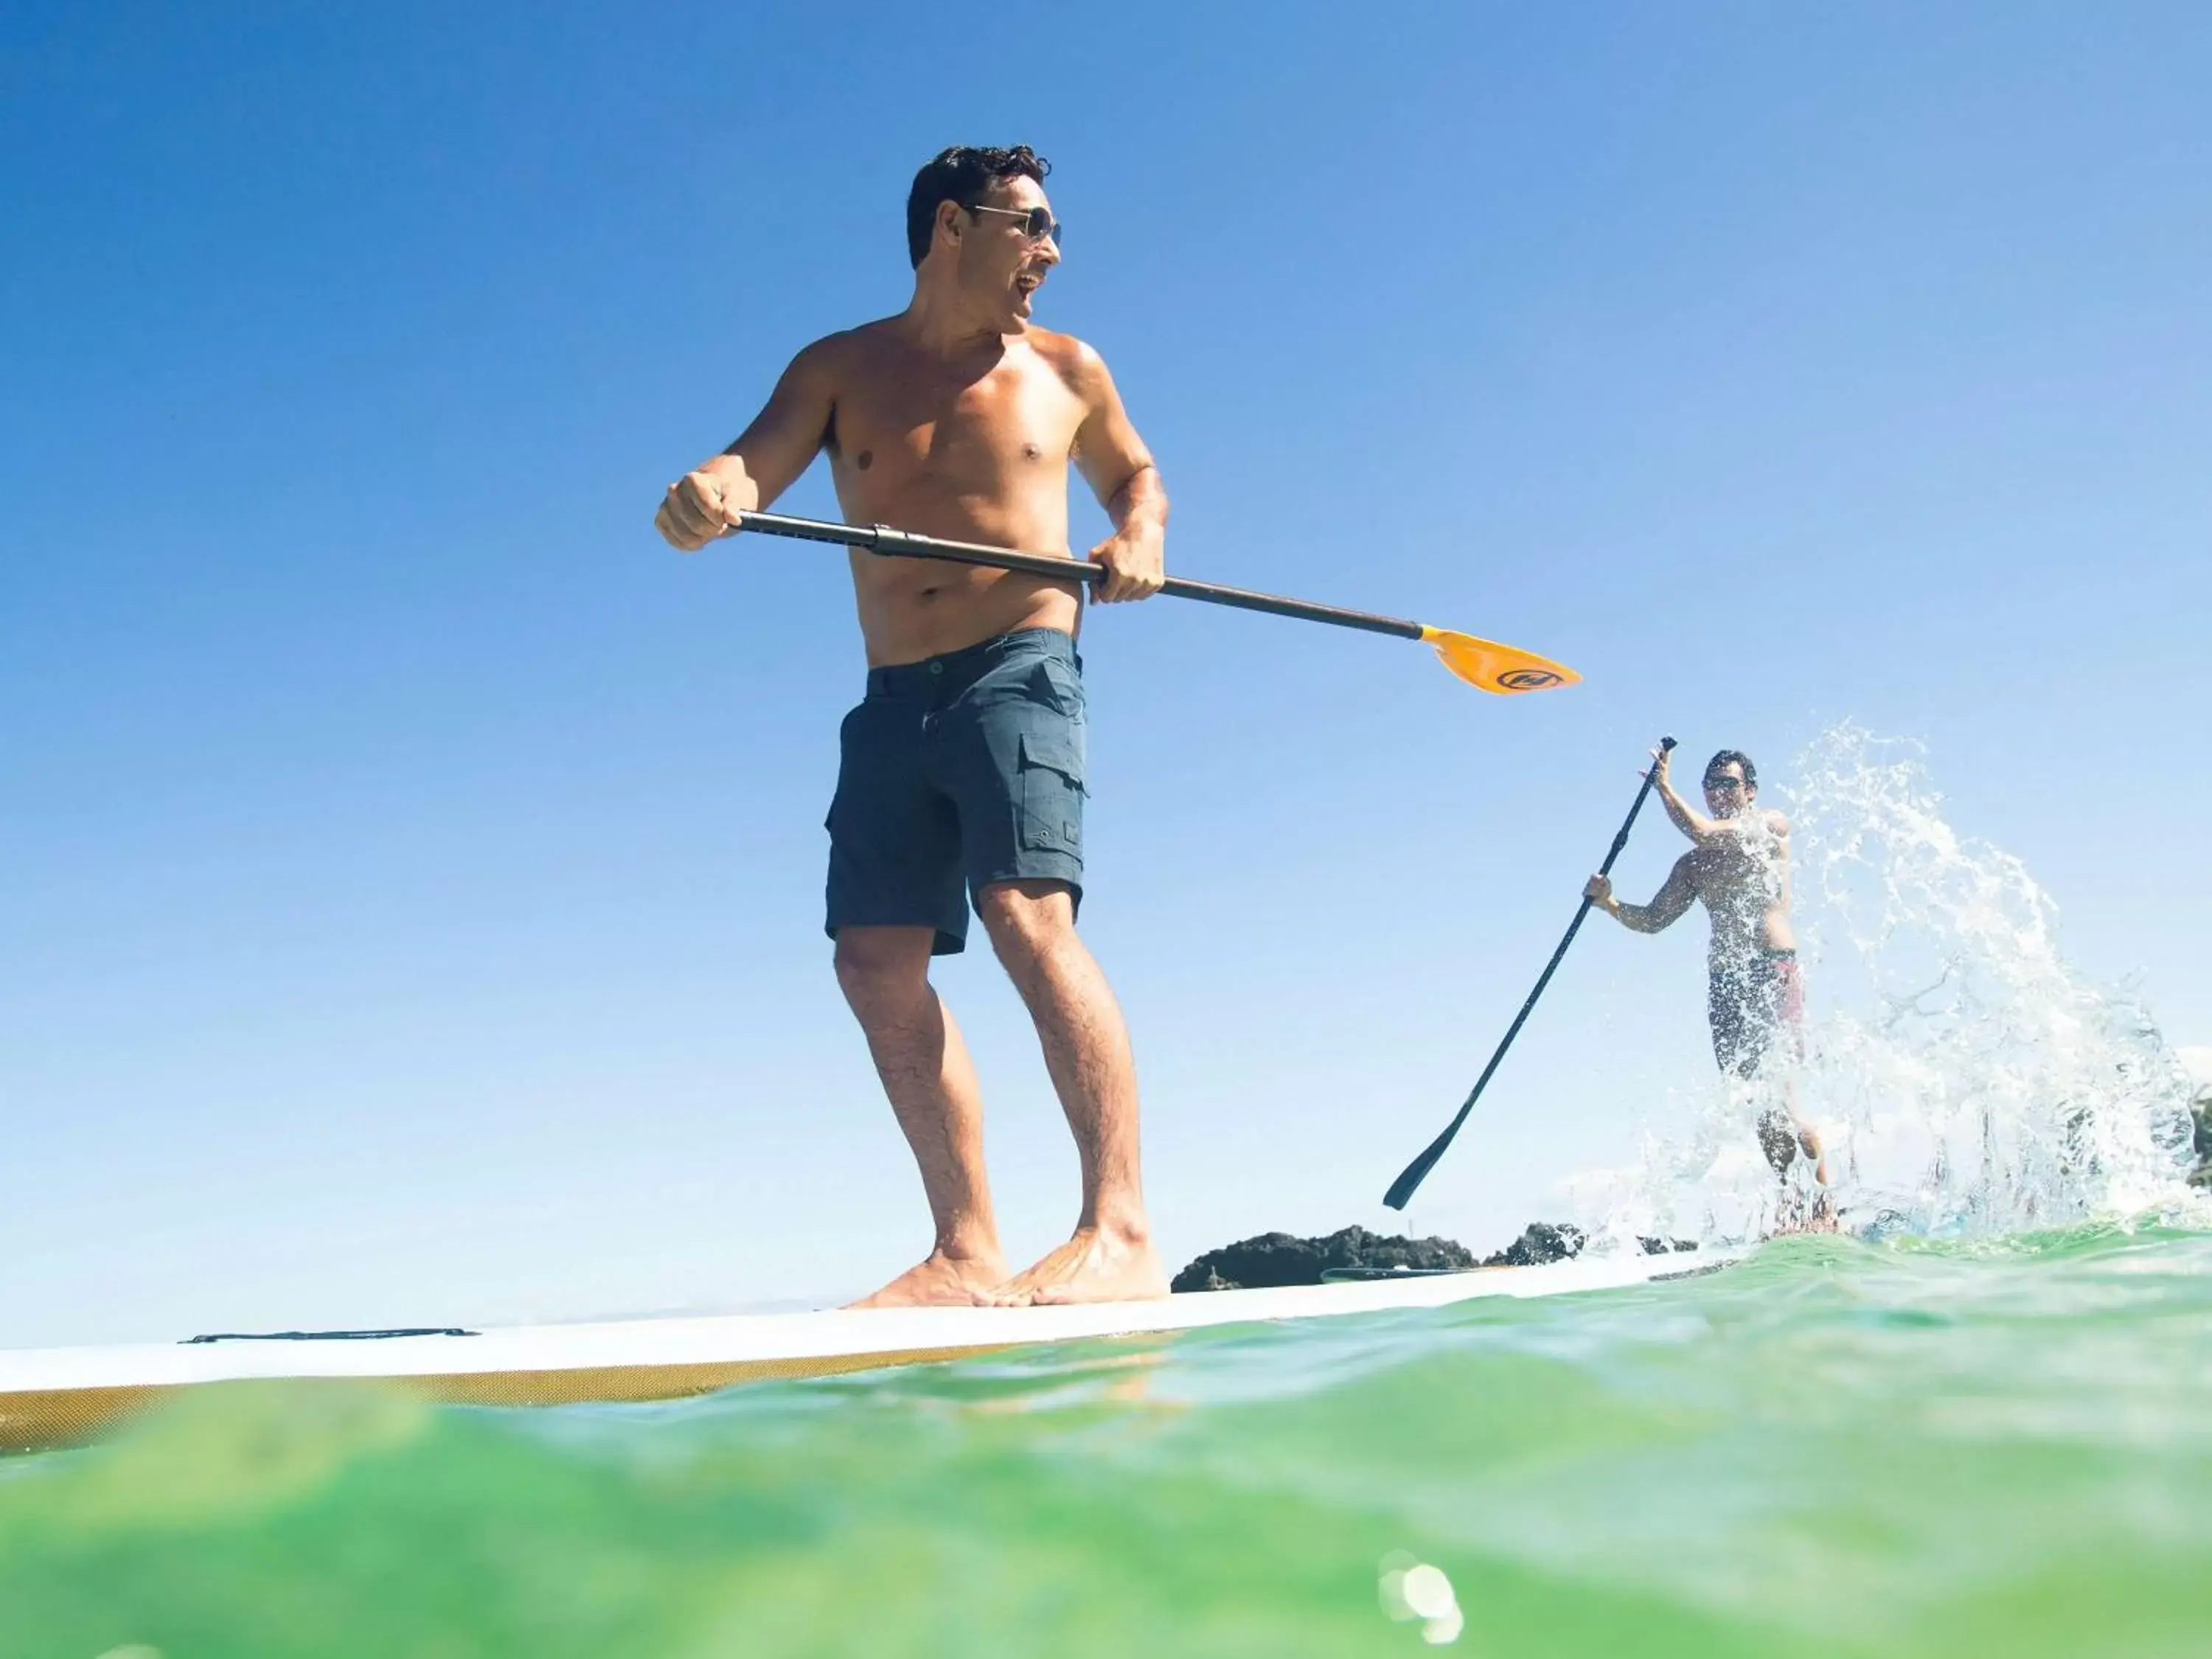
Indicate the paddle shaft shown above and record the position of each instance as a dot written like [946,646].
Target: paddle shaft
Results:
[902,544]
[1416,1172]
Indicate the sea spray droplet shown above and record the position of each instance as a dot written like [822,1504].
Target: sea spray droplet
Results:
[1409,1587]
[1429,1593]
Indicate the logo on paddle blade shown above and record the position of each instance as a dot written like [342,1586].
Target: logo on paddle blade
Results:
[1528,679]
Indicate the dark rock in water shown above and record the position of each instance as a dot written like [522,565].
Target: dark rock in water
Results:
[1540,1242]
[1545,1240]
[2201,1109]
[1273,1259]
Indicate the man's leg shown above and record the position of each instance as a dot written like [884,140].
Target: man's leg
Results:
[1086,1050]
[1822,1217]
[1755,1012]
[1808,1137]
[1784,1134]
[925,1070]
[1782,1007]
[1777,1138]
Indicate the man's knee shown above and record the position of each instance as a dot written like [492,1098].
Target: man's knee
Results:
[876,965]
[1777,1138]
[1024,919]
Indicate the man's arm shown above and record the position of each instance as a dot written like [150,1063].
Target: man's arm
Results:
[766,460]
[1119,469]
[1691,822]
[1667,905]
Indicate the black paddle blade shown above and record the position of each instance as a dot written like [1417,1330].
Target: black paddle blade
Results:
[1417,1171]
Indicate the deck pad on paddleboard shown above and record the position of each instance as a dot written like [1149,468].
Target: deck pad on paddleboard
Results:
[54,1396]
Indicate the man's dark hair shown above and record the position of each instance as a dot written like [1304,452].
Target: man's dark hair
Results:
[964,174]
[1750,772]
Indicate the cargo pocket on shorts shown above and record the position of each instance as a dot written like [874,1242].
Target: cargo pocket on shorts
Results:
[1059,687]
[1052,790]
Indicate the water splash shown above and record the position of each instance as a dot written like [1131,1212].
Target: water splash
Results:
[1970,1083]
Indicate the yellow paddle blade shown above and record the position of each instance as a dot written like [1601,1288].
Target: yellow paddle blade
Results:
[1504,669]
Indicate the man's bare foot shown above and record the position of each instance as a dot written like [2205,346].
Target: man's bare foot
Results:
[942,1281]
[1797,1213]
[1094,1265]
[1817,1222]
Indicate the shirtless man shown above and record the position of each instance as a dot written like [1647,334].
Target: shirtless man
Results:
[1739,866]
[961,774]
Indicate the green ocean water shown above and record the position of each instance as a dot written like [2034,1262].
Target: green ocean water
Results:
[1837,1447]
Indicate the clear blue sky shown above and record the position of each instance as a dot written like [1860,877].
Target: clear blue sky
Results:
[411,907]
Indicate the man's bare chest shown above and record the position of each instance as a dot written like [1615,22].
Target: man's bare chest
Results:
[1734,875]
[901,427]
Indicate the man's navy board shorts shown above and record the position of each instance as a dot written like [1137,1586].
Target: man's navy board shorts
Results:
[957,772]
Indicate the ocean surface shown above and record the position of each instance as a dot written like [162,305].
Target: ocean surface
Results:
[1837,1447]
[1977,1423]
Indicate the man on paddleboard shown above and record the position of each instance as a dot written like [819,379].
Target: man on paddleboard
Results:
[1739,865]
[961,774]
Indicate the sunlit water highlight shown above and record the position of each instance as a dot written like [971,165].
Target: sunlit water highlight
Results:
[1983,1427]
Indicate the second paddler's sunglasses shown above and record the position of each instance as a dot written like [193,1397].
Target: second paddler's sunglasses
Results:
[1037,224]
[1722,780]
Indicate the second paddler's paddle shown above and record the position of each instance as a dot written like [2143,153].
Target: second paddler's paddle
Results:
[1418,1170]
[1503,669]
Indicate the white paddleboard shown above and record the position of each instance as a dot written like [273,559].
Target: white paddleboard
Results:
[55,1396]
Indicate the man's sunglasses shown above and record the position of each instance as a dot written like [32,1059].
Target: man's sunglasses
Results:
[1037,224]
[1719,784]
